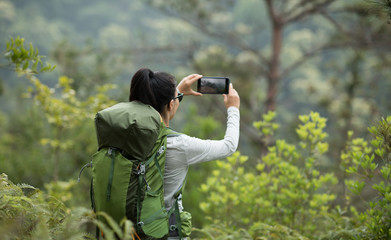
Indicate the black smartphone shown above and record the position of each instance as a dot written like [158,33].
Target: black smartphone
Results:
[213,85]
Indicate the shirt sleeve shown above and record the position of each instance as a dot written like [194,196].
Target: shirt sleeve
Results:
[197,150]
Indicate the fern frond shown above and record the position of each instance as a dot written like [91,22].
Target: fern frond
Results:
[28,190]
[40,231]
[111,223]
[127,228]
[108,233]
[25,185]
[87,235]
[11,190]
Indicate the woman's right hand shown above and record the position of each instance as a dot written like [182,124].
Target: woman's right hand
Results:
[232,99]
[185,85]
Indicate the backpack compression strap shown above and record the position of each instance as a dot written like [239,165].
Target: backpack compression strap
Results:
[111,153]
[176,223]
[141,178]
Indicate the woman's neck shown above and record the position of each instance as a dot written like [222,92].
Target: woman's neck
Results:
[166,119]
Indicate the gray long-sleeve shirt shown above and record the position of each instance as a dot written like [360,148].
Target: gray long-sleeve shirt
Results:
[183,151]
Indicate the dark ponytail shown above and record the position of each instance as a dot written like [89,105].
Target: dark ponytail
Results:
[153,88]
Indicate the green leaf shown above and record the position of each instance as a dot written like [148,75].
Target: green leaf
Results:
[35,66]
[304,118]
[25,65]
[380,152]
[355,187]
[257,124]
[31,50]
[45,69]
[269,116]
[373,166]
[386,171]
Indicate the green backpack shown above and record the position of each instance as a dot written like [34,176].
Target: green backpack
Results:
[128,169]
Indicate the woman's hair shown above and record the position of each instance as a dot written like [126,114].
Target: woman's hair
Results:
[153,88]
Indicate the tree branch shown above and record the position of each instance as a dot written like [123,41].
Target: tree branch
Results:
[316,7]
[302,60]
[334,23]
[299,5]
[312,53]
[270,9]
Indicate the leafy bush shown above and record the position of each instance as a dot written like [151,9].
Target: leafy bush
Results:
[28,213]
[285,189]
[259,231]
[369,167]
[286,197]
[65,113]
[21,59]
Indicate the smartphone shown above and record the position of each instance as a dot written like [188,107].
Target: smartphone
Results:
[213,85]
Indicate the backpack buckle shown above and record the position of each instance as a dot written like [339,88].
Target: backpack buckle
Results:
[141,169]
[161,150]
[173,228]
[140,224]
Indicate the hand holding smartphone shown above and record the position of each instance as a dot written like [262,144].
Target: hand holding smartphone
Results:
[213,85]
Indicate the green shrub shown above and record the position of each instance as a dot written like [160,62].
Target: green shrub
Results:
[369,169]
[28,213]
[284,189]
[258,231]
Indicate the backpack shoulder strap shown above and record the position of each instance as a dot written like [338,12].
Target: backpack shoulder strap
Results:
[171,133]
[174,213]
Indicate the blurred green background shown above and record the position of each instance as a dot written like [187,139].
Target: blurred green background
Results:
[289,57]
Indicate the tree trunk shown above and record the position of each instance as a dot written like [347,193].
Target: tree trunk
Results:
[273,76]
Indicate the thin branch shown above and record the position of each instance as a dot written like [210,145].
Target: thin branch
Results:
[299,5]
[270,9]
[317,7]
[312,53]
[334,23]
[302,60]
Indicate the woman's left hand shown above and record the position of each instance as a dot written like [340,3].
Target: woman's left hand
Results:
[185,85]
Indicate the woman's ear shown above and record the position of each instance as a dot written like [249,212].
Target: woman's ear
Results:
[170,105]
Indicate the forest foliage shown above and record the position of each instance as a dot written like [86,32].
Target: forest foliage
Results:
[316,167]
